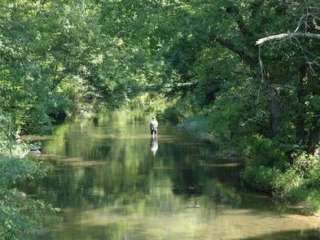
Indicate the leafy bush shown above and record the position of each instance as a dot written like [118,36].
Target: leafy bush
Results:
[285,185]
[20,215]
[265,152]
[14,171]
[297,182]
[260,177]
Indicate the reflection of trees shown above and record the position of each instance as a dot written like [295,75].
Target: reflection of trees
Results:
[124,174]
[129,174]
[191,179]
[130,180]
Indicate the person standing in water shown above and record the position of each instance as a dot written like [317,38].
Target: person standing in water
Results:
[154,127]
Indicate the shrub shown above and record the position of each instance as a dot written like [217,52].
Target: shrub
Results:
[20,215]
[285,185]
[260,177]
[306,164]
[265,152]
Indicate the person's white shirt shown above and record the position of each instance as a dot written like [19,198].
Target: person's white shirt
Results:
[154,123]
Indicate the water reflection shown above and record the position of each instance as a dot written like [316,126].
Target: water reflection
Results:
[154,145]
[109,187]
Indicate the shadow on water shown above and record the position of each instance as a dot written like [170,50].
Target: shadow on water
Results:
[312,234]
[112,181]
[118,231]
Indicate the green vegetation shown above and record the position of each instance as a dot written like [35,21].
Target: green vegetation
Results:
[20,215]
[262,100]
[179,59]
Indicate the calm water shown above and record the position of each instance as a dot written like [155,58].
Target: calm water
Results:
[113,183]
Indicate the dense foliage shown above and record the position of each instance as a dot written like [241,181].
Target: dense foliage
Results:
[178,58]
[20,215]
[263,101]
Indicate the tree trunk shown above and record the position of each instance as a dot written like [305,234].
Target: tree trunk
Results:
[274,111]
[314,138]
[301,93]
[274,107]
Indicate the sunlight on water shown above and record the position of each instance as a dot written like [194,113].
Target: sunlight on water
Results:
[110,184]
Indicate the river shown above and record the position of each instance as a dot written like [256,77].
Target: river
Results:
[111,181]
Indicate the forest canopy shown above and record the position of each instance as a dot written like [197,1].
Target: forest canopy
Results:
[249,67]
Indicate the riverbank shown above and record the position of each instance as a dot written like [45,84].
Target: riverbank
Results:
[296,183]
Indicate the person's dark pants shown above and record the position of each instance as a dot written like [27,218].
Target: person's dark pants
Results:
[153,131]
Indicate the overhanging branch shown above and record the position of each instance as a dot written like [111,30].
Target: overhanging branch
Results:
[262,41]
[244,55]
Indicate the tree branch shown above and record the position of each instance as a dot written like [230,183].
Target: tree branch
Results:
[244,55]
[262,41]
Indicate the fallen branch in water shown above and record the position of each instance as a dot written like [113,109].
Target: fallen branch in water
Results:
[261,41]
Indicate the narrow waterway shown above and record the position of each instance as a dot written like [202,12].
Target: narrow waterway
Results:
[112,182]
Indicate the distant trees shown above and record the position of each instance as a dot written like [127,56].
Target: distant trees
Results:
[57,56]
